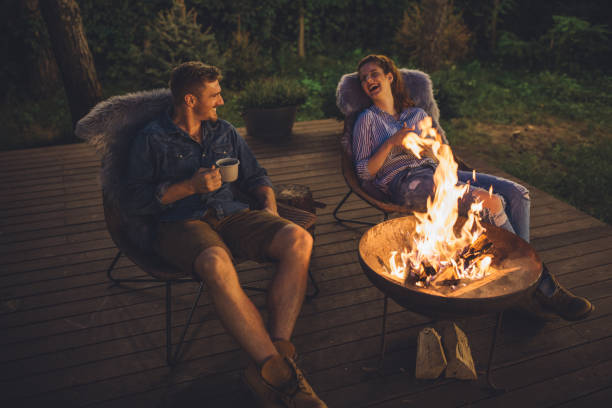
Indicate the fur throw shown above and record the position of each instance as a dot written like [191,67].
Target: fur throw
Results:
[111,126]
[351,99]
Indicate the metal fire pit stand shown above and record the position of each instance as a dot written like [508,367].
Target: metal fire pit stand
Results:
[496,332]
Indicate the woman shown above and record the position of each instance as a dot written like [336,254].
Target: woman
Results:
[408,181]
[381,158]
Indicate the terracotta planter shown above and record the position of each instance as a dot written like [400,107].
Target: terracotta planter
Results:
[271,123]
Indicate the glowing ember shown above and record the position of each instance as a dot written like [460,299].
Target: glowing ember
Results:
[438,253]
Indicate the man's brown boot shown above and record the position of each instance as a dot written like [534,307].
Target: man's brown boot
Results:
[279,383]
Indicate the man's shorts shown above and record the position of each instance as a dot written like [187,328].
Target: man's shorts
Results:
[245,235]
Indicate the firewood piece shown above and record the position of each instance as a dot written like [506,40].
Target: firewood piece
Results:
[446,274]
[430,360]
[460,362]
[449,282]
[480,246]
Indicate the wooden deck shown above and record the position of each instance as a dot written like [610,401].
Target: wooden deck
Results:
[69,339]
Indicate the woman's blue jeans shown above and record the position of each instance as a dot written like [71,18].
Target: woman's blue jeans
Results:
[518,202]
[412,187]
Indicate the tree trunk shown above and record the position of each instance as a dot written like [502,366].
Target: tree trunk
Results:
[41,67]
[73,56]
[494,15]
[301,51]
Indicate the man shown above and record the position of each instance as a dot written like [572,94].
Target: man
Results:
[202,227]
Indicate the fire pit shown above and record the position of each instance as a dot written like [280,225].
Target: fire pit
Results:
[514,272]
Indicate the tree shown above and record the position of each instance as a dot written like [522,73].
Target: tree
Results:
[175,36]
[433,35]
[65,27]
[301,48]
[42,71]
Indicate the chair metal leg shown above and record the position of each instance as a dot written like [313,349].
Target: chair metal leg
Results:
[173,358]
[496,333]
[109,271]
[340,204]
[383,334]
[169,323]
[315,285]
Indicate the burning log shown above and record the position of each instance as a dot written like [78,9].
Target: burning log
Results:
[447,277]
[430,360]
[480,247]
[460,362]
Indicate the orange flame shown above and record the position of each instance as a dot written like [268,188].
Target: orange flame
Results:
[434,242]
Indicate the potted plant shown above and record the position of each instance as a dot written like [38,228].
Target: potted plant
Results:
[269,106]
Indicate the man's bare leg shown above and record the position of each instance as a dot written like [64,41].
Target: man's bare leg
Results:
[237,313]
[291,246]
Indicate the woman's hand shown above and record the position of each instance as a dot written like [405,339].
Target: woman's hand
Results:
[378,158]
[398,137]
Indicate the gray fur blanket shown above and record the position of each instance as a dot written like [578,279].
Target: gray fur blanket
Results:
[111,126]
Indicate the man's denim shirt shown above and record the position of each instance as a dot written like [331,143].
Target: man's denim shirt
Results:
[162,154]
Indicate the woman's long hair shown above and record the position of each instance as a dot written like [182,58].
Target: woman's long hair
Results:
[401,99]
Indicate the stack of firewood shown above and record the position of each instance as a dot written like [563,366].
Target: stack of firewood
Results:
[450,353]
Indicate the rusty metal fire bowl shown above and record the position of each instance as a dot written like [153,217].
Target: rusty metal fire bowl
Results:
[516,264]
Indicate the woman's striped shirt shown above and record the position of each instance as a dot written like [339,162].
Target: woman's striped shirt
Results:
[372,128]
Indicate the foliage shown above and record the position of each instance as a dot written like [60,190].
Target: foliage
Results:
[243,61]
[35,122]
[271,93]
[432,35]
[320,76]
[115,33]
[573,42]
[569,45]
[484,19]
[513,51]
[330,25]
[174,37]
[514,96]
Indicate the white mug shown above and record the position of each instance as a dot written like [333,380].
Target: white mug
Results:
[228,167]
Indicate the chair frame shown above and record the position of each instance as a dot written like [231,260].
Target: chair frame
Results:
[354,187]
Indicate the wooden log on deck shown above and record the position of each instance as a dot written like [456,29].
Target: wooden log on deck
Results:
[430,360]
[460,363]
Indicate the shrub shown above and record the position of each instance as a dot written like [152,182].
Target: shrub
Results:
[514,52]
[573,43]
[271,93]
[175,37]
[570,45]
[432,35]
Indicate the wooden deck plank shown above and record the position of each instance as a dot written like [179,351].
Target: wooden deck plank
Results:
[597,398]
[74,340]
